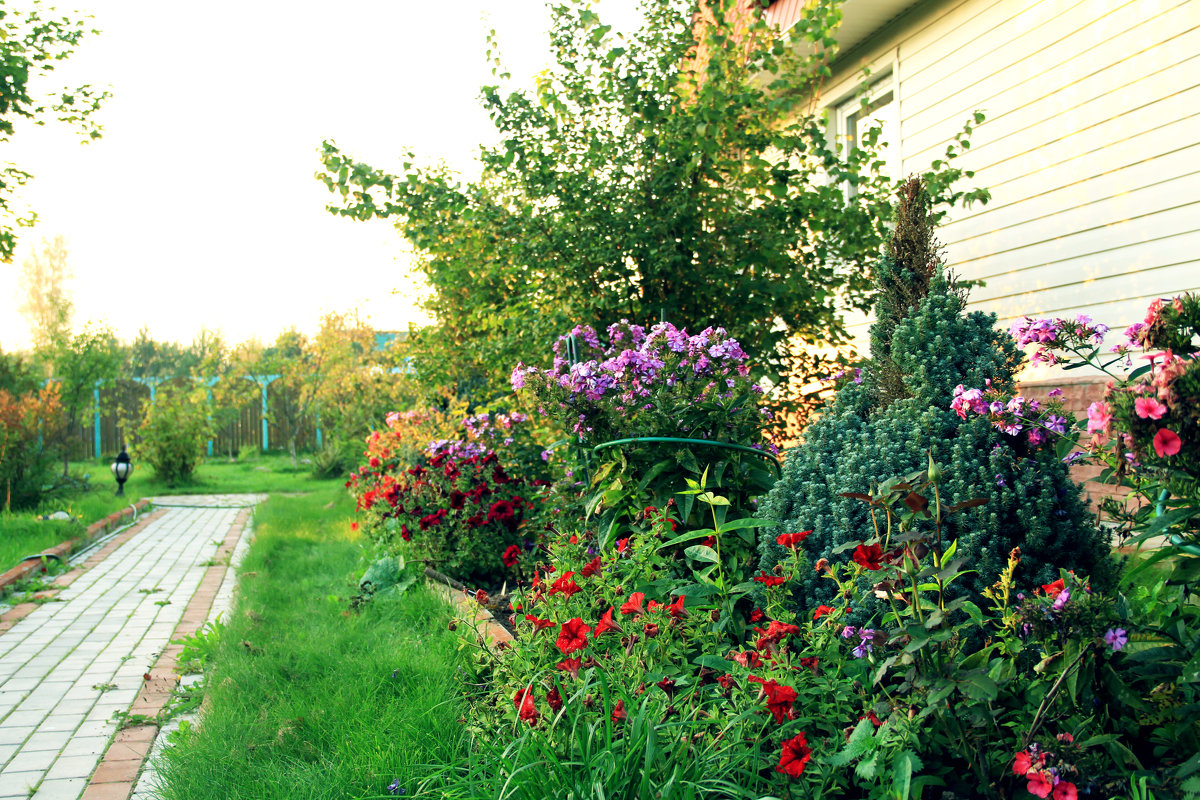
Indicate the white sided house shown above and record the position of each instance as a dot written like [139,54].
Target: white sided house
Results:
[1091,144]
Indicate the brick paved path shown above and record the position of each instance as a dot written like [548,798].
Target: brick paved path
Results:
[73,663]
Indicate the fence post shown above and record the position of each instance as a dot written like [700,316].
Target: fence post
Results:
[210,382]
[96,419]
[263,381]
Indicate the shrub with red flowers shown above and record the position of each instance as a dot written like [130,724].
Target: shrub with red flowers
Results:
[457,506]
[607,636]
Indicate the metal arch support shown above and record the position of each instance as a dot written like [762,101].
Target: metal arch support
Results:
[263,381]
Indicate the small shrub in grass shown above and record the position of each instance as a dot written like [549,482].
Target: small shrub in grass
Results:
[173,434]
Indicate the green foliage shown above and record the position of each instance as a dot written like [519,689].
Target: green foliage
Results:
[925,344]
[637,180]
[173,434]
[28,422]
[33,40]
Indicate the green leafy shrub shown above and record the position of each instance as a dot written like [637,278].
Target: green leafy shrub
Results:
[652,413]
[173,433]
[899,411]
[27,423]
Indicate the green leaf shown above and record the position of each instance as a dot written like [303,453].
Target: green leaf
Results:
[702,553]
[978,686]
[714,662]
[699,533]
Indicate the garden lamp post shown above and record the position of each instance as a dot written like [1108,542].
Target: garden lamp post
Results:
[121,469]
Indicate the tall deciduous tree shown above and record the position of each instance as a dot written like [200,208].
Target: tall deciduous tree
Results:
[33,41]
[682,172]
[47,302]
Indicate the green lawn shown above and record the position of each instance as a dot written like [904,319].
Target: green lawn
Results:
[309,700]
[22,534]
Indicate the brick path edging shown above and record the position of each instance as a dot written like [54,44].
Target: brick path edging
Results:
[117,774]
[112,521]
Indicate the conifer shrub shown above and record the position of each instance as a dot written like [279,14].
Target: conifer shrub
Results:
[897,413]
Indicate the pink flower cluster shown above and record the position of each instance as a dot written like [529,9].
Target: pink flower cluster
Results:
[1052,335]
[1012,415]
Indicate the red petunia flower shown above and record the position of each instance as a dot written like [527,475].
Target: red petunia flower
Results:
[770,580]
[512,554]
[756,615]
[811,662]
[572,636]
[539,624]
[622,545]
[821,611]
[565,584]
[794,756]
[1022,763]
[792,539]
[667,685]
[481,597]
[779,701]
[526,709]
[606,624]
[650,630]
[727,681]
[570,666]
[1054,589]
[1166,443]
[619,713]
[676,609]
[591,568]
[869,557]
[554,700]
[634,604]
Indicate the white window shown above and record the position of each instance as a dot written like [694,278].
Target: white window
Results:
[857,116]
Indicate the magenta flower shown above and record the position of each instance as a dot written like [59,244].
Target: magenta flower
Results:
[1116,638]
[1149,408]
[1166,443]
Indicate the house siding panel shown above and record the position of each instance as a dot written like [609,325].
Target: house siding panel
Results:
[1091,147]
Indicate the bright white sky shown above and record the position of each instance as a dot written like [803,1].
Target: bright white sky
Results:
[199,207]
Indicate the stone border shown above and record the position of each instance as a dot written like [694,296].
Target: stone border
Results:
[117,774]
[22,610]
[469,610]
[113,520]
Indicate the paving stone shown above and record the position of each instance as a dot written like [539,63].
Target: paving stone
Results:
[60,789]
[72,767]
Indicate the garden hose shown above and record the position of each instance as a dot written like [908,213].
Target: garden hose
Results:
[676,440]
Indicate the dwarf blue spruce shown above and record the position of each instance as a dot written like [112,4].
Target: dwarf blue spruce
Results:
[924,344]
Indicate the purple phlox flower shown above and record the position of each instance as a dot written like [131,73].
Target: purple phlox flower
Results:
[394,787]
[866,636]
[1055,393]
[1000,481]
[996,407]
[1055,423]
[1116,638]
[1071,458]
[1061,600]
[1036,436]
[1133,332]
[1012,428]
[849,631]
[546,455]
